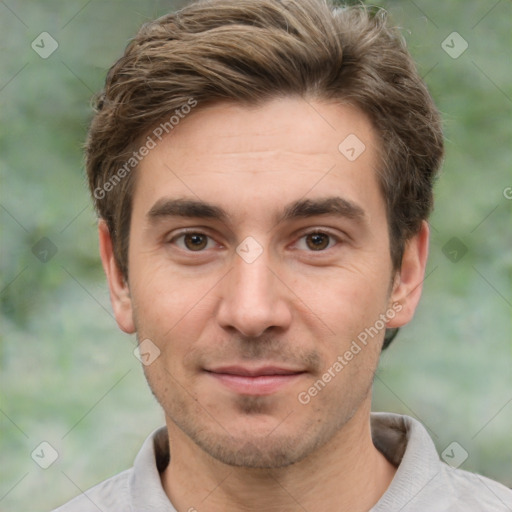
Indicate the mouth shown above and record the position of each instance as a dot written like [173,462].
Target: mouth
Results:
[263,380]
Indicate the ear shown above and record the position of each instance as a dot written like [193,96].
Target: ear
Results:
[119,290]
[409,278]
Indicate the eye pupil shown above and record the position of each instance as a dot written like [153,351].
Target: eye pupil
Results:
[317,241]
[195,241]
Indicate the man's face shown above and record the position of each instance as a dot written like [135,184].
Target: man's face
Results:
[258,254]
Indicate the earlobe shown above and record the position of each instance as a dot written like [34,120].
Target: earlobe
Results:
[409,279]
[118,287]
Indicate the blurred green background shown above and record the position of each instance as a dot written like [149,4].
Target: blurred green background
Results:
[69,377]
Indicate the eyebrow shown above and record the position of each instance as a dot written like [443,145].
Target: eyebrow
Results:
[186,208]
[302,208]
[335,205]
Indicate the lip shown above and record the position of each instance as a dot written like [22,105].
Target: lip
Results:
[263,380]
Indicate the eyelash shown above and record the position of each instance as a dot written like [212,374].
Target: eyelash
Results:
[183,234]
[333,239]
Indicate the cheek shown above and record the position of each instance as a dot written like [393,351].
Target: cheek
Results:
[345,297]
[167,309]
[353,315]
[160,292]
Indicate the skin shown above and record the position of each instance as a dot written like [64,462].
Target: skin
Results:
[299,304]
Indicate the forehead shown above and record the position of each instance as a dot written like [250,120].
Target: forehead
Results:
[260,157]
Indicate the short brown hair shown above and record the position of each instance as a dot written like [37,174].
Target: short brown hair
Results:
[250,51]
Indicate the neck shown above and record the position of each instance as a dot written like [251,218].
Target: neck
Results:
[347,473]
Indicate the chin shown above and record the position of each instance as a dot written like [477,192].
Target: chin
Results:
[256,453]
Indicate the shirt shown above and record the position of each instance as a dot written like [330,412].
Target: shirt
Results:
[421,483]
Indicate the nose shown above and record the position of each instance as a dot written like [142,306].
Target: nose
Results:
[254,299]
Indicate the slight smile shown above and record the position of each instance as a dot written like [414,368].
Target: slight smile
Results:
[264,380]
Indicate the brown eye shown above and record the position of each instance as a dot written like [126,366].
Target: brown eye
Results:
[317,241]
[195,241]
